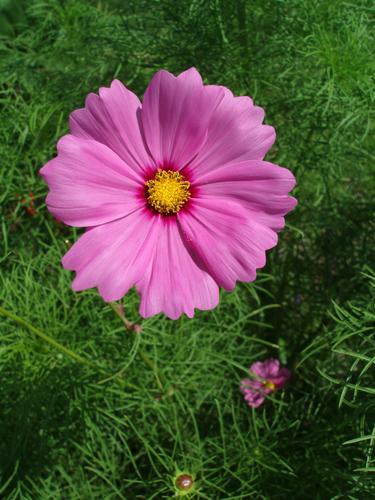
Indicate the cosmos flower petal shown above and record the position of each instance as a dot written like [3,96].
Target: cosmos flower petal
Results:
[174,284]
[175,115]
[235,133]
[254,399]
[268,376]
[113,256]
[271,367]
[254,392]
[89,184]
[275,373]
[260,186]
[252,384]
[281,378]
[259,369]
[224,240]
[113,118]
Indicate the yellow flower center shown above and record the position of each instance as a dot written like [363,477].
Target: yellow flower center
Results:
[270,385]
[168,192]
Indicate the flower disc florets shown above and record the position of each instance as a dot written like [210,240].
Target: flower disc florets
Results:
[168,192]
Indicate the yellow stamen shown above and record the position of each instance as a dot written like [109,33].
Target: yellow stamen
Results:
[168,192]
[270,385]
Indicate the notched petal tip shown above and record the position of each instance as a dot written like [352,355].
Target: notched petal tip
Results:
[192,74]
[113,86]
[270,134]
[75,287]
[43,171]
[293,202]
[65,142]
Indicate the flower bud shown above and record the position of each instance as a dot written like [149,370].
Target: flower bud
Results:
[184,482]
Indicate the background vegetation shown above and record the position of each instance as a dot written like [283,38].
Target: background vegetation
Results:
[115,428]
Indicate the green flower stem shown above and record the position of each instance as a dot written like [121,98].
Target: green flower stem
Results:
[45,337]
[148,362]
[117,309]
[61,347]
[136,328]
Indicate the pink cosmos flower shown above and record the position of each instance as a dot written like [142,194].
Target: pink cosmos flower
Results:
[174,192]
[269,377]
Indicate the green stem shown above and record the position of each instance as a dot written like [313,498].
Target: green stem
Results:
[62,348]
[145,358]
[148,362]
[128,324]
[45,337]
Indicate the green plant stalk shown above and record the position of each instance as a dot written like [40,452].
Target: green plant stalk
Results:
[60,347]
[145,358]
[45,337]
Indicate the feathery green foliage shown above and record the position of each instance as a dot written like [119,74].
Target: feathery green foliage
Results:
[83,413]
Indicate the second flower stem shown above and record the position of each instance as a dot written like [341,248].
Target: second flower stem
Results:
[134,327]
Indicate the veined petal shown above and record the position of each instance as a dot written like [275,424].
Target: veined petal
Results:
[254,392]
[235,133]
[173,283]
[175,115]
[271,367]
[89,184]
[224,240]
[259,368]
[260,186]
[113,256]
[271,371]
[281,378]
[113,118]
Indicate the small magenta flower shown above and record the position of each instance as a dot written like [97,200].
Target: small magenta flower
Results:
[268,377]
[174,192]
